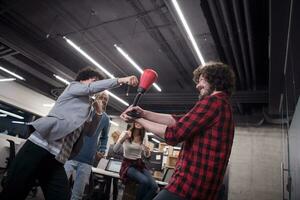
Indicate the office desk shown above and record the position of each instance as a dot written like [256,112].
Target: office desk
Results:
[109,175]
[105,172]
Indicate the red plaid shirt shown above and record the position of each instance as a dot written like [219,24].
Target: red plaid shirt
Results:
[207,132]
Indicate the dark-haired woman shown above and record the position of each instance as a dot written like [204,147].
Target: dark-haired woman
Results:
[133,168]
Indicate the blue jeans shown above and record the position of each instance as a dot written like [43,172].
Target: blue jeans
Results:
[165,194]
[81,178]
[147,185]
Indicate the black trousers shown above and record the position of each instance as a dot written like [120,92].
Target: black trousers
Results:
[35,163]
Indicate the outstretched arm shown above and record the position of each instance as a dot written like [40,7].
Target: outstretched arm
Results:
[159,118]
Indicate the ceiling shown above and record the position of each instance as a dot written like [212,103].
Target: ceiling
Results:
[254,37]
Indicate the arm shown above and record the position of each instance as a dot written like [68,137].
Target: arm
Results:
[203,115]
[146,149]
[160,118]
[121,140]
[104,134]
[165,119]
[80,89]
[155,128]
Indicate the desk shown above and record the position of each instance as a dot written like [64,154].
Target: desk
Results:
[109,175]
[105,172]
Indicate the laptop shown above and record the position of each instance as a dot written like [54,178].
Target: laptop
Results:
[113,165]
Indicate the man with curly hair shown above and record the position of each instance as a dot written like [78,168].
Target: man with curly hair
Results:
[206,133]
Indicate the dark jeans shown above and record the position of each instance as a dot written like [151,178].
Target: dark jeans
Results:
[35,163]
[147,185]
[165,194]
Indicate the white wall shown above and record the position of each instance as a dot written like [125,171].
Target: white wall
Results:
[255,164]
[24,98]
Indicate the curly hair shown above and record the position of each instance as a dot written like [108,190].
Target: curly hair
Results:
[219,75]
[87,73]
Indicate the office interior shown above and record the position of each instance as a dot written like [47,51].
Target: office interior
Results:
[43,44]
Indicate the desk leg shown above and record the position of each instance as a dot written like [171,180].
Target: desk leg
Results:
[115,188]
[107,187]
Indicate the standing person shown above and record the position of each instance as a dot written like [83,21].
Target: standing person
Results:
[93,146]
[56,137]
[133,167]
[206,132]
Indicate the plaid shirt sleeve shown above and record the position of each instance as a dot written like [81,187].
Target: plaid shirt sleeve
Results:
[202,115]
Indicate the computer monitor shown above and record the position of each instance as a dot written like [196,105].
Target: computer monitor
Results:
[167,175]
[155,161]
[113,165]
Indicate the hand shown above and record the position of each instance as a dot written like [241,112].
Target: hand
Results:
[140,112]
[146,149]
[129,80]
[98,106]
[127,135]
[99,155]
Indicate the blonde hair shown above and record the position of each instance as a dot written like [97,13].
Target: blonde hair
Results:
[115,135]
[100,94]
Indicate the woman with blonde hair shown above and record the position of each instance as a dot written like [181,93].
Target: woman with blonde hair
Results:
[133,168]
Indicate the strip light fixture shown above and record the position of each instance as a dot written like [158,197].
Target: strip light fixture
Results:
[149,133]
[7,79]
[114,123]
[12,73]
[188,31]
[17,122]
[11,114]
[155,140]
[61,79]
[83,53]
[49,105]
[134,64]
[3,115]
[110,93]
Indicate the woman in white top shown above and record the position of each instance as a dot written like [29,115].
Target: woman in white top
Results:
[133,168]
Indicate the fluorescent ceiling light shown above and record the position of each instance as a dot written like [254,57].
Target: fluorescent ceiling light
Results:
[131,61]
[17,122]
[48,104]
[188,31]
[61,79]
[7,79]
[11,73]
[11,114]
[114,123]
[148,133]
[77,48]
[109,93]
[155,140]
[117,98]
[3,115]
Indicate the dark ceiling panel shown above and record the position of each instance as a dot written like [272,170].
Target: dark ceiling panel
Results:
[233,31]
